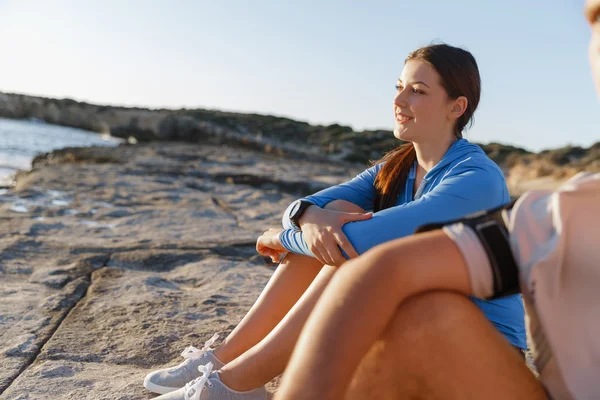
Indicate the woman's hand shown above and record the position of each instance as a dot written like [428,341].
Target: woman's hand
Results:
[323,233]
[268,244]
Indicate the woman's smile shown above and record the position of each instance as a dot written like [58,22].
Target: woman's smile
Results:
[402,118]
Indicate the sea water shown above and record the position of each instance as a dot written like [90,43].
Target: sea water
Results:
[22,140]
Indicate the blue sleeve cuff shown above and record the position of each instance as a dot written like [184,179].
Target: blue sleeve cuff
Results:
[293,241]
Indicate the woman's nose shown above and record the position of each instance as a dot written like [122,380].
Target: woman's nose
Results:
[400,100]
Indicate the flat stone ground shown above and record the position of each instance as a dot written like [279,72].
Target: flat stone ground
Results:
[113,260]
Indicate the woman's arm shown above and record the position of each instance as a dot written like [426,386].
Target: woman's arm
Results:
[471,188]
[326,228]
[358,304]
[359,191]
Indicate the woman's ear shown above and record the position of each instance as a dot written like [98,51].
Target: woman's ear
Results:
[458,107]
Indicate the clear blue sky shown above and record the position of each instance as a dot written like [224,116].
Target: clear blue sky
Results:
[319,61]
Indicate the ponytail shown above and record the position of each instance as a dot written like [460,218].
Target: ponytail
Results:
[392,175]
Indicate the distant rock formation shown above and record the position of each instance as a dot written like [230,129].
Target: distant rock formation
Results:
[283,136]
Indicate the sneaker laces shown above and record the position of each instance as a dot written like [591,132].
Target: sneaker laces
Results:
[193,353]
[194,388]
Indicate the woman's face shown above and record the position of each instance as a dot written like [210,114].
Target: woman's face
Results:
[421,105]
[592,13]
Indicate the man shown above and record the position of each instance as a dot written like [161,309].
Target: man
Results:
[397,322]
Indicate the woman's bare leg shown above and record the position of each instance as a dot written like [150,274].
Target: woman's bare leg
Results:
[268,359]
[440,346]
[291,279]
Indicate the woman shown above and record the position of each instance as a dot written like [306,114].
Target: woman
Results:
[548,242]
[435,177]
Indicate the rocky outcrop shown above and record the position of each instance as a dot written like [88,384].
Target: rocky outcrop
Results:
[112,260]
[118,121]
[143,125]
[284,136]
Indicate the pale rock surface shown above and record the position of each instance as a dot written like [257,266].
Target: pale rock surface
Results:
[113,260]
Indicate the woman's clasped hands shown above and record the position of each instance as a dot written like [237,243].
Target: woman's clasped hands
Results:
[322,229]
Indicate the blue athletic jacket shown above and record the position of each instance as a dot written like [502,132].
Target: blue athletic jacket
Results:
[463,182]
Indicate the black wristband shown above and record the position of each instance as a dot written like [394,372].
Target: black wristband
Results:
[297,211]
[490,228]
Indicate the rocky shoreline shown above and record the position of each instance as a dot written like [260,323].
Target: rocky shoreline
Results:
[284,136]
[113,260]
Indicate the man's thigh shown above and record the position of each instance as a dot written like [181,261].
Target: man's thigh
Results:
[440,346]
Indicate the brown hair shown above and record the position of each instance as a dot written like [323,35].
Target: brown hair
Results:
[459,75]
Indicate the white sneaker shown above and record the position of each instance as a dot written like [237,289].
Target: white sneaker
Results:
[170,379]
[209,387]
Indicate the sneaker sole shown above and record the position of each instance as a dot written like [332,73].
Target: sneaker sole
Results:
[154,388]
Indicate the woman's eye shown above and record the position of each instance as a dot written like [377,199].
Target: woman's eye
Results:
[399,87]
[417,91]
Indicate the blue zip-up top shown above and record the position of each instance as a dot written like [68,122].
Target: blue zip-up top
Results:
[463,182]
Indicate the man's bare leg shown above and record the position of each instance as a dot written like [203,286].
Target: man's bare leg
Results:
[363,307]
[440,346]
